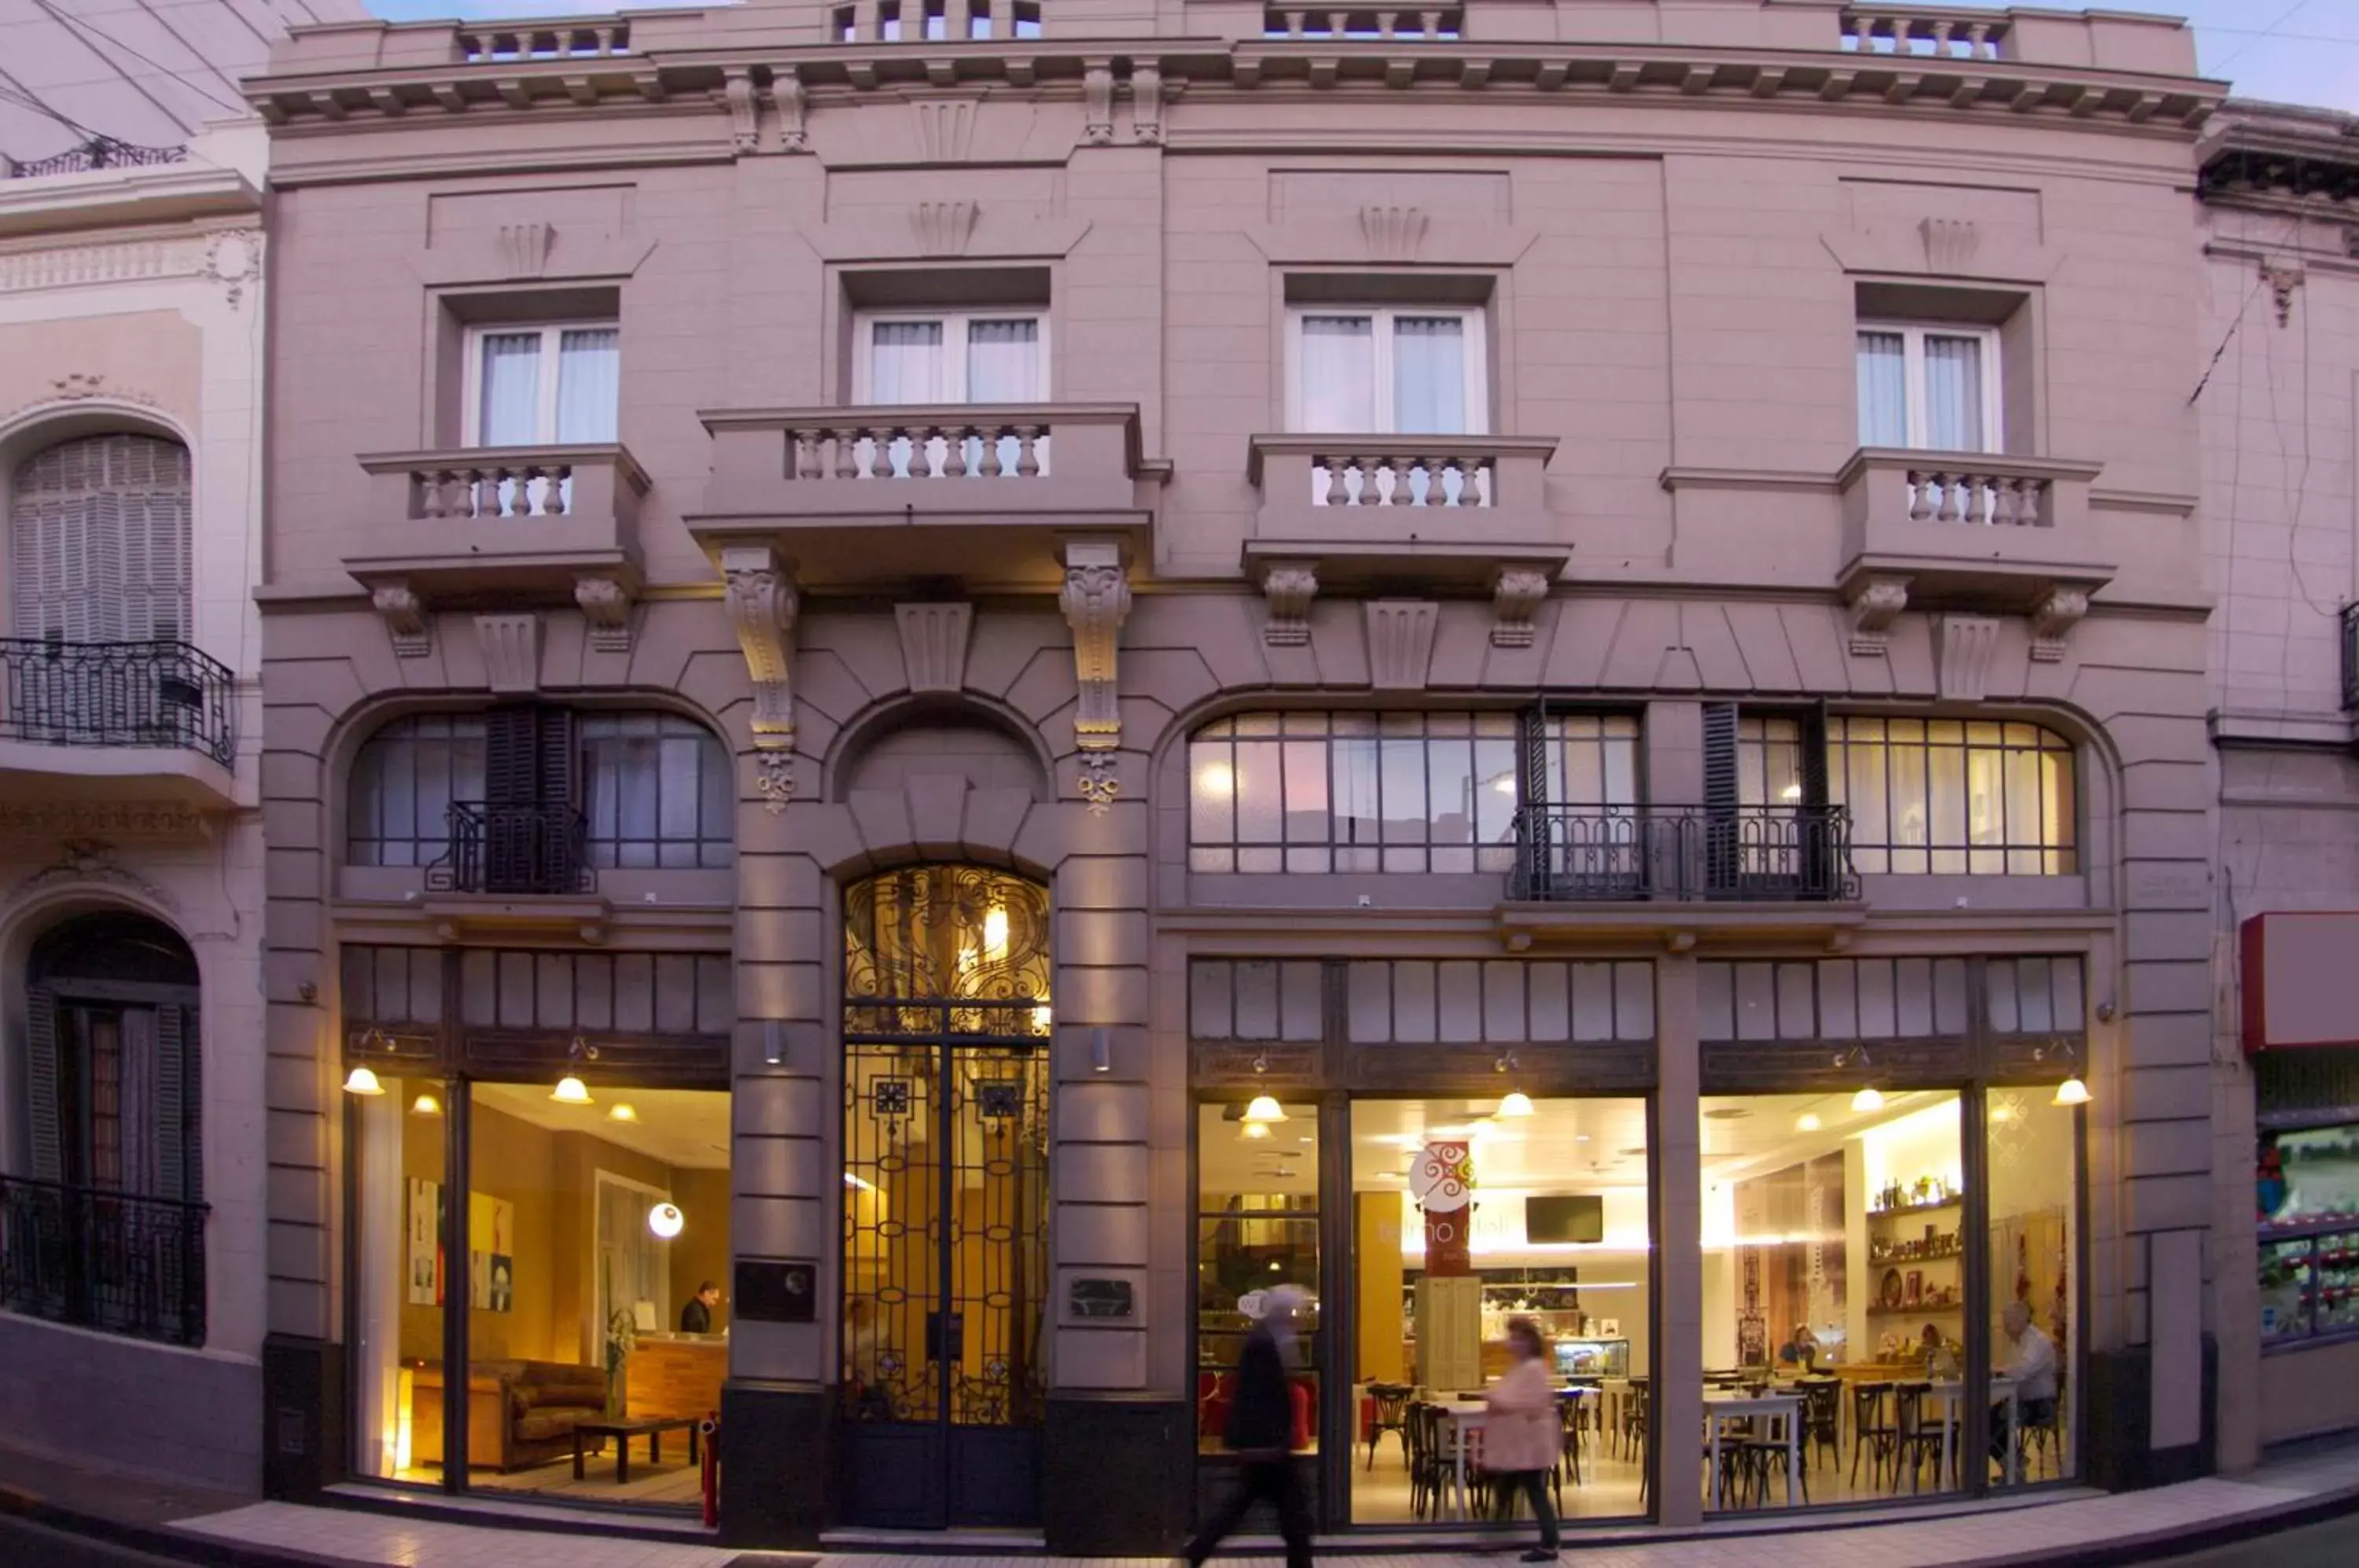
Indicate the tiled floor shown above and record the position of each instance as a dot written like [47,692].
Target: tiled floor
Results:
[1981,1536]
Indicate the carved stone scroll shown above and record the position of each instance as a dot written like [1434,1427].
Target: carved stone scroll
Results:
[1874,606]
[1096,600]
[1517,595]
[1288,587]
[762,605]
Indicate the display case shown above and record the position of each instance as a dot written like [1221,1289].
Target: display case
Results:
[1592,1358]
[2309,1280]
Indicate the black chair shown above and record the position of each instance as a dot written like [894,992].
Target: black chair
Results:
[2045,1438]
[1917,1437]
[1872,1431]
[1567,1418]
[1633,1434]
[1391,1415]
[1821,1418]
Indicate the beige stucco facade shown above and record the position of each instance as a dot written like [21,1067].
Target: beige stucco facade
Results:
[1669,220]
[131,301]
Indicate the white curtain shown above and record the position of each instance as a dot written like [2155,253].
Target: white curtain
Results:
[510,390]
[1953,394]
[1430,375]
[1882,389]
[1003,365]
[1338,375]
[589,384]
[905,366]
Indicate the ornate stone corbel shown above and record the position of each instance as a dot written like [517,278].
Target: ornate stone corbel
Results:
[1100,781]
[1288,587]
[773,780]
[933,644]
[1097,102]
[2054,619]
[744,113]
[1096,599]
[404,619]
[762,603]
[1874,606]
[2283,278]
[1517,595]
[786,92]
[511,650]
[607,605]
[1146,104]
[1962,656]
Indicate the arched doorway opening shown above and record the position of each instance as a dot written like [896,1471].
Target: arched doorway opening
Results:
[107,1228]
[946,1094]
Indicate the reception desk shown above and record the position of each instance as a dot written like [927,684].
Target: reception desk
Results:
[677,1375]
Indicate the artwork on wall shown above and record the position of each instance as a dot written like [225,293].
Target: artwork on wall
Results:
[425,1270]
[491,1253]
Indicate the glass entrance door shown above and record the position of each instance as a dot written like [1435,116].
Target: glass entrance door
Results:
[946,1088]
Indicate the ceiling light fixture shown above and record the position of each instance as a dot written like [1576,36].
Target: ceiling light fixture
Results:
[666,1221]
[1807,1122]
[1256,1129]
[1515,1103]
[1262,1110]
[571,1090]
[2072,1092]
[426,1105]
[362,1080]
[624,1111]
[1867,1100]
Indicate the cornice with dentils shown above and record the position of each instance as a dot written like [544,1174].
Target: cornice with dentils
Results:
[1919,85]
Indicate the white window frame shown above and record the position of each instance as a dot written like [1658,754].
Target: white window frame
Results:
[552,344]
[950,385]
[1384,317]
[1913,335]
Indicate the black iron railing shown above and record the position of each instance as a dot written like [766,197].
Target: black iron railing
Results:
[530,849]
[1604,854]
[103,1259]
[2351,658]
[98,152]
[118,694]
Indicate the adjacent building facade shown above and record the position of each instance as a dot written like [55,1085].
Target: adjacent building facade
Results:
[2275,404]
[1506,659]
[132,1210]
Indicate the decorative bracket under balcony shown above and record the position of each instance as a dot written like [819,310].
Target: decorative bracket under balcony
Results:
[762,603]
[1096,601]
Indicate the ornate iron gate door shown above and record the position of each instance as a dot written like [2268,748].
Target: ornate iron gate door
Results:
[945,1203]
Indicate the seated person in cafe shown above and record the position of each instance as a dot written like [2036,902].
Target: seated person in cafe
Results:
[696,1316]
[2031,1359]
[1802,1350]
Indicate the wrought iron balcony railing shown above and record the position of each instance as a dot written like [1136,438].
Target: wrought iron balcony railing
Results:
[98,152]
[103,1259]
[521,849]
[155,693]
[1609,853]
[2351,658]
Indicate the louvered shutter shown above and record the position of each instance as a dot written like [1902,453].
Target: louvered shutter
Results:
[179,1158]
[1721,844]
[1534,859]
[529,770]
[1816,829]
[557,860]
[42,1069]
[101,540]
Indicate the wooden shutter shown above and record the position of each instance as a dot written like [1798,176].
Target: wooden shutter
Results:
[530,769]
[178,1155]
[1534,860]
[1816,830]
[1721,836]
[101,540]
[43,1064]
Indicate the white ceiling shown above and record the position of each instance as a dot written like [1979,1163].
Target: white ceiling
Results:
[1566,1145]
[686,1129]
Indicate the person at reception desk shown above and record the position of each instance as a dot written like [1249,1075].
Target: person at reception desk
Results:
[696,1316]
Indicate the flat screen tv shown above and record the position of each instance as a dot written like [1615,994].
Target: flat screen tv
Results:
[1558,1219]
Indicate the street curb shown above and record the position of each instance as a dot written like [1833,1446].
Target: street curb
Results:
[162,1541]
[2165,1544]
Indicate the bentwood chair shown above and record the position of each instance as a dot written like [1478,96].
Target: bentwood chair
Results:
[1391,1401]
[1873,1435]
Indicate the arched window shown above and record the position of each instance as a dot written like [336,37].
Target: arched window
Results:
[640,789]
[99,532]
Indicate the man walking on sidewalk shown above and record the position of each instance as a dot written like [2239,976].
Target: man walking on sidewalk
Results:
[1261,1433]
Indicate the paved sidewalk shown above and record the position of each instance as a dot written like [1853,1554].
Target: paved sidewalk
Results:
[2077,1529]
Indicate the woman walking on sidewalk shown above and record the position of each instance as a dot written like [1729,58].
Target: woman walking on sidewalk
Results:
[1521,1437]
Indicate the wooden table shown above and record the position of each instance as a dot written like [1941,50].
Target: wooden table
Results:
[1720,1407]
[622,1431]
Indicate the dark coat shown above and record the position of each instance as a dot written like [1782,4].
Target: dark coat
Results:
[695,1317]
[1261,1415]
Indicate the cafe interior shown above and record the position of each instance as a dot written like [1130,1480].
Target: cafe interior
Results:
[1833,1301]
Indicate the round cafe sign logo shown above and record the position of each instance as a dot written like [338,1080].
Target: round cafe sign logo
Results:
[1442,1178]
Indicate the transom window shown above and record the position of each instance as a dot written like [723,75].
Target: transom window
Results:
[1947,797]
[543,386]
[654,791]
[1935,388]
[1386,371]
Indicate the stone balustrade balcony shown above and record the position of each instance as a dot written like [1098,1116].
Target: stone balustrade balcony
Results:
[1970,530]
[975,493]
[1414,506]
[523,522]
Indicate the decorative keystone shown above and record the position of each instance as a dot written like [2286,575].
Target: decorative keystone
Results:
[1963,657]
[1401,642]
[511,648]
[933,644]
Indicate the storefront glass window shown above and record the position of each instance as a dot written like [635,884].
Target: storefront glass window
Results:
[1257,1229]
[1464,1217]
[1834,1297]
[2032,1156]
[402,1278]
[2308,1198]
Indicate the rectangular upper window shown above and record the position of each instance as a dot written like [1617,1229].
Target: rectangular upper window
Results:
[952,356]
[542,385]
[1384,371]
[1933,388]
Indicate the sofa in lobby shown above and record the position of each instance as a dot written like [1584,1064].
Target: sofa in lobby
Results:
[519,1413]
